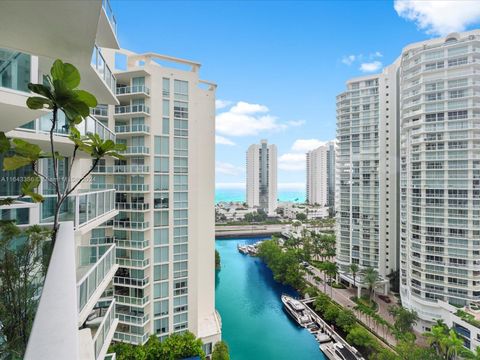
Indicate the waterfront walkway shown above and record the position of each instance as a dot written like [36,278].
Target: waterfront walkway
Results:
[342,297]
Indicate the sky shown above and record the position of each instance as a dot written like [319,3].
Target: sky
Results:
[280,64]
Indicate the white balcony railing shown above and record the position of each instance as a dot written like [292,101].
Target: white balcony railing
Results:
[110,15]
[101,67]
[134,89]
[142,128]
[94,263]
[136,150]
[81,208]
[131,338]
[133,168]
[132,206]
[131,109]
[102,332]
[89,125]
[127,224]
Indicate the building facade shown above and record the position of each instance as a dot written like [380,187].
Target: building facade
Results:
[165,197]
[440,173]
[75,318]
[317,176]
[366,176]
[261,163]
[331,175]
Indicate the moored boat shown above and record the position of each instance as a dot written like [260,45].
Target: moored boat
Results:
[297,311]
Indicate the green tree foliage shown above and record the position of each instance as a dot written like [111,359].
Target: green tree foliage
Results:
[301,217]
[174,347]
[256,216]
[285,265]
[346,319]
[354,269]
[217,260]
[21,274]
[59,92]
[405,320]
[220,351]
[359,336]
[371,279]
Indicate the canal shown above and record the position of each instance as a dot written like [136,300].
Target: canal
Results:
[254,324]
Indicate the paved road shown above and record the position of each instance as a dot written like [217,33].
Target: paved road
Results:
[342,296]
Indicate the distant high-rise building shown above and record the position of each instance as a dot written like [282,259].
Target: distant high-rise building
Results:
[331,174]
[367,180]
[317,176]
[262,177]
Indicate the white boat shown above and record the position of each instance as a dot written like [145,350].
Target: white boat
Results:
[297,311]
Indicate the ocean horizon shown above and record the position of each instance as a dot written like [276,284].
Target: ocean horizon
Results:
[227,195]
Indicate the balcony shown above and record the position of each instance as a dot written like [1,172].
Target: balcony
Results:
[132,129]
[103,70]
[123,169]
[134,263]
[131,338]
[133,206]
[127,224]
[126,281]
[84,209]
[132,244]
[136,150]
[132,319]
[127,111]
[131,187]
[102,322]
[133,91]
[96,266]
[131,300]
[42,125]
[100,111]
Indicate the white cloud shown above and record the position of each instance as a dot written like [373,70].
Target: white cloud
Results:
[304,145]
[371,66]
[349,59]
[296,122]
[244,119]
[233,185]
[439,17]
[376,54]
[222,104]
[226,168]
[292,162]
[221,140]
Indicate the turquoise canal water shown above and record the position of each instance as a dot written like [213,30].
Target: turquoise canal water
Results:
[254,323]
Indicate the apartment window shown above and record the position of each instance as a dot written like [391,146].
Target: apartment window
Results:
[161,164]
[160,255]
[458,61]
[160,308]
[160,218]
[160,290]
[180,89]
[165,126]
[455,94]
[160,182]
[160,236]
[166,108]
[434,65]
[180,182]
[161,145]
[180,304]
[166,87]
[160,272]
[161,200]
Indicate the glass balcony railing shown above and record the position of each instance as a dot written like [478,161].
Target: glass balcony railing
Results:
[101,333]
[122,169]
[132,244]
[100,111]
[111,356]
[106,240]
[134,89]
[131,109]
[137,320]
[124,281]
[134,150]
[131,187]
[93,265]
[131,338]
[101,67]
[14,70]
[111,17]
[124,262]
[89,125]
[132,206]
[81,208]
[132,128]
[131,300]
[127,224]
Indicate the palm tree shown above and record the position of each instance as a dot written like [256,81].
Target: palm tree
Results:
[354,268]
[453,345]
[331,270]
[372,279]
[436,338]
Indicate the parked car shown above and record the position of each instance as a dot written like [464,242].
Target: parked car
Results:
[385,298]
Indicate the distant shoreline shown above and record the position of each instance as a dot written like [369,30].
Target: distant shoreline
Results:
[228,195]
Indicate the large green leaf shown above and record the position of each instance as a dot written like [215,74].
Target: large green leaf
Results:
[36,102]
[15,162]
[65,72]
[79,107]
[86,97]
[24,148]
[41,90]
[4,143]
[29,186]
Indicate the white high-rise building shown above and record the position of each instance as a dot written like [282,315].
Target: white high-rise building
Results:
[262,177]
[165,197]
[75,318]
[440,174]
[366,173]
[331,151]
[317,176]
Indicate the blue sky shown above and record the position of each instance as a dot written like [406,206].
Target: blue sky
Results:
[280,64]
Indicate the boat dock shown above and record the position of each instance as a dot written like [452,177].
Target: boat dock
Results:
[251,250]
[332,345]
